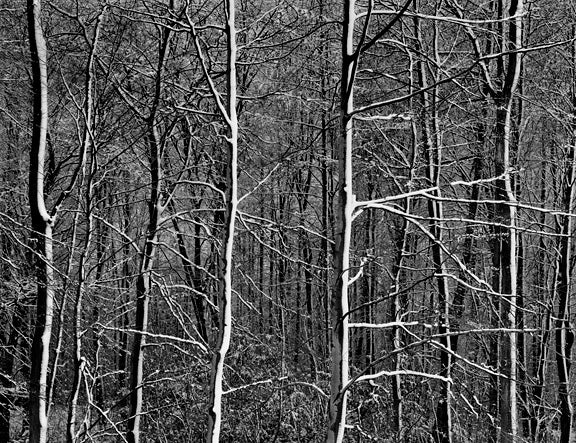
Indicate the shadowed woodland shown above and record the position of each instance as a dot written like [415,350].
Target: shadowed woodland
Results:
[287,221]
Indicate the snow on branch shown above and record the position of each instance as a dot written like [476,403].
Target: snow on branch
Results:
[402,116]
[256,383]
[402,372]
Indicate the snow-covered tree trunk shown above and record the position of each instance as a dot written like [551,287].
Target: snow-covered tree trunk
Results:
[231,206]
[41,230]
[343,214]
[506,216]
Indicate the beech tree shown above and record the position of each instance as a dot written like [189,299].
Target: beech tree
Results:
[42,223]
[228,113]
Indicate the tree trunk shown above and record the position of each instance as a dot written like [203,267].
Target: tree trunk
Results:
[41,231]
[78,358]
[143,288]
[541,341]
[396,334]
[226,266]
[339,371]
[124,297]
[432,154]
[564,332]
[144,280]
[80,291]
[505,217]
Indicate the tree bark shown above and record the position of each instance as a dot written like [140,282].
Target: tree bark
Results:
[124,318]
[505,217]
[82,274]
[144,280]
[231,203]
[396,313]
[339,371]
[143,289]
[41,231]
[432,153]
[540,343]
[564,332]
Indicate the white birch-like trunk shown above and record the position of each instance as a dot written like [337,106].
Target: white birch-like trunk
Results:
[339,372]
[231,203]
[42,231]
[509,256]
[508,401]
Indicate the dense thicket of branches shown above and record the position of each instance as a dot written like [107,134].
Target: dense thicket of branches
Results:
[307,221]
